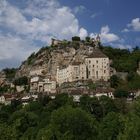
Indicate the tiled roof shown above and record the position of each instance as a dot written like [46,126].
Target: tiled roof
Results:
[76,63]
[97,54]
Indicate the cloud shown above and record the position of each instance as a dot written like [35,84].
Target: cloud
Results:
[15,47]
[83,33]
[95,15]
[106,36]
[47,19]
[79,9]
[133,26]
[125,30]
[36,21]
[13,50]
[123,46]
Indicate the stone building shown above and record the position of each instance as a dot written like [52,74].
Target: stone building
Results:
[56,42]
[38,71]
[47,85]
[98,67]
[95,67]
[42,84]
[74,72]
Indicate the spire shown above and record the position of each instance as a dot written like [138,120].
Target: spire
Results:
[98,38]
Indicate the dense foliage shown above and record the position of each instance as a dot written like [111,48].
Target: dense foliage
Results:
[4,89]
[76,38]
[123,60]
[10,73]
[62,119]
[21,81]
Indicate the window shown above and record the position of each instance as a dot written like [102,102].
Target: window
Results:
[97,74]
[104,71]
[93,66]
[96,61]
[89,61]
[89,72]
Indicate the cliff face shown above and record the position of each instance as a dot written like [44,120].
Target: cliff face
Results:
[2,78]
[47,59]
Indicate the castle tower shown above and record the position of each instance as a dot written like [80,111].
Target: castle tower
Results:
[98,38]
[97,41]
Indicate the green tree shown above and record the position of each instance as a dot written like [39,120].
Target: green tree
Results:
[21,81]
[114,81]
[7,132]
[91,105]
[107,105]
[87,39]
[59,101]
[132,123]
[121,93]
[76,38]
[69,123]
[10,73]
[111,126]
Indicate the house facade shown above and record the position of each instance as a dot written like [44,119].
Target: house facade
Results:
[41,84]
[74,72]
[95,67]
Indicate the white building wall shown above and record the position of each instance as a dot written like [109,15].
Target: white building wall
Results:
[98,68]
[36,72]
[71,73]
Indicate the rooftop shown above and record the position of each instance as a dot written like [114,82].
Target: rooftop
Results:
[97,54]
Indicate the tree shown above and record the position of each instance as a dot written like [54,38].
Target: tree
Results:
[85,103]
[131,128]
[4,88]
[107,105]
[31,58]
[111,126]
[69,123]
[130,76]
[96,108]
[121,105]
[44,100]
[7,132]
[21,81]
[121,93]
[114,81]
[91,105]
[10,73]
[59,101]
[87,39]
[134,82]
[76,38]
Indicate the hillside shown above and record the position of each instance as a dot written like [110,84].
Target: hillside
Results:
[48,58]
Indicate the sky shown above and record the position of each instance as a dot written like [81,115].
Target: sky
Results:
[27,25]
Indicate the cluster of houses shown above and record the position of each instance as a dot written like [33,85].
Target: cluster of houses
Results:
[95,67]
[7,99]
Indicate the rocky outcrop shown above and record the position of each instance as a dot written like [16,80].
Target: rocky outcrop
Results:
[47,59]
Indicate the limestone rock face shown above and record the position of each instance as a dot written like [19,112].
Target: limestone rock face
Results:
[47,59]
[2,77]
